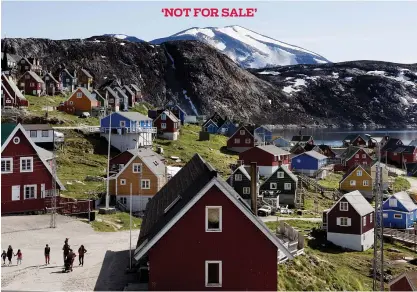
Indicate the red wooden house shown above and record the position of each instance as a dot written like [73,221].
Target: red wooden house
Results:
[199,223]
[11,96]
[31,83]
[349,223]
[354,140]
[268,158]
[168,125]
[390,145]
[403,154]
[25,173]
[29,64]
[354,156]
[381,140]
[242,140]
[407,281]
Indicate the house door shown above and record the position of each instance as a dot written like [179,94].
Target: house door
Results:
[42,190]
[15,193]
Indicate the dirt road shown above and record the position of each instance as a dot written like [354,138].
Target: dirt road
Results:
[32,233]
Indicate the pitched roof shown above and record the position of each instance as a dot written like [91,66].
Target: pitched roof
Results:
[51,76]
[243,170]
[86,73]
[411,277]
[45,154]
[169,115]
[413,143]
[412,168]
[35,76]
[98,94]
[180,109]
[286,170]
[134,116]
[268,128]
[6,130]
[358,202]
[13,85]
[391,144]
[216,118]
[324,147]
[309,147]
[313,154]
[405,149]
[352,137]
[405,200]
[274,150]
[120,91]
[29,127]
[127,88]
[68,73]
[301,138]
[154,161]
[135,87]
[180,194]
[351,150]
[353,168]
[111,91]
[85,92]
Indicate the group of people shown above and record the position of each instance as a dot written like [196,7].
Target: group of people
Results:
[9,255]
[69,255]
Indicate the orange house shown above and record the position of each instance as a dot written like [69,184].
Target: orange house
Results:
[357,178]
[80,101]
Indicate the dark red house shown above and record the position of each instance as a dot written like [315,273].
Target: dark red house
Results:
[26,175]
[220,230]
[354,156]
[407,281]
[267,157]
[11,96]
[403,154]
[354,140]
[381,140]
[31,83]
[391,145]
[168,125]
[242,140]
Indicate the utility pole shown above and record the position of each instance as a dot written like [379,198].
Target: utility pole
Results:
[130,228]
[53,187]
[108,165]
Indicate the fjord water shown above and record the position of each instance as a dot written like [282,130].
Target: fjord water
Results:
[334,137]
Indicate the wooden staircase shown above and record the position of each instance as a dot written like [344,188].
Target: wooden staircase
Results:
[312,183]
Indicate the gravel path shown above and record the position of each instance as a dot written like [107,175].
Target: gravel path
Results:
[106,259]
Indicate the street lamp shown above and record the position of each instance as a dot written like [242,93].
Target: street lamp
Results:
[379,226]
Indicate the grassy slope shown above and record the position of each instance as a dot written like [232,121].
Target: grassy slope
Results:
[115,222]
[401,184]
[329,267]
[331,181]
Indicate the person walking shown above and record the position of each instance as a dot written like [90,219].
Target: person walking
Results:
[47,253]
[10,254]
[70,257]
[4,256]
[19,256]
[81,252]
[66,249]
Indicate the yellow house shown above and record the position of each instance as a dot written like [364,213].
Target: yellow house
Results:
[357,178]
[145,174]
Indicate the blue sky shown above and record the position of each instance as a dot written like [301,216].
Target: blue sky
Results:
[340,31]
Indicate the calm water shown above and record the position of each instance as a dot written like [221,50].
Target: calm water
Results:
[334,137]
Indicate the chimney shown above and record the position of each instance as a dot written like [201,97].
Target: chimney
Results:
[253,192]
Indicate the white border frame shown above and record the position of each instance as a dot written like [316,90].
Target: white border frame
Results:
[122,180]
[220,219]
[11,164]
[220,273]
[141,184]
[31,163]
[135,164]
[24,192]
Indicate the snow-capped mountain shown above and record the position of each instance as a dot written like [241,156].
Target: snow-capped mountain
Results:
[125,37]
[248,48]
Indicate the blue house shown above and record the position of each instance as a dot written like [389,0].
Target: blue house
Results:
[308,162]
[263,134]
[213,124]
[129,130]
[228,128]
[281,142]
[399,211]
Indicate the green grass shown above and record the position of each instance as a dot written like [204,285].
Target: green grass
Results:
[213,151]
[331,181]
[323,203]
[328,267]
[115,222]
[142,107]
[401,184]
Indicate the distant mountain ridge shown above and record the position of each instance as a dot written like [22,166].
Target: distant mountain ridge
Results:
[124,37]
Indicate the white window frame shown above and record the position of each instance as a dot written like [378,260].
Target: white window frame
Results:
[163,117]
[344,206]
[246,190]
[8,101]
[71,102]
[364,221]
[220,273]
[163,125]
[247,141]
[30,186]
[220,219]
[27,76]
[122,181]
[122,124]
[31,164]
[237,140]
[280,174]
[33,132]
[359,173]
[287,186]
[79,94]
[238,177]
[16,140]
[385,215]
[136,165]
[393,202]
[273,186]
[242,132]
[352,183]
[143,183]
[32,84]
[371,218]
[10,159]
[365,183]
[363,155]
[68,80]
[356,155]
[342,221]
[47,78]
[45,133]
[398,216]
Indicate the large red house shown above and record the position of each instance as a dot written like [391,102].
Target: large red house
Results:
[25,173]
[402,154]
[198,235]
[11,96]
[31,83]
[267,157]
[354,156]
[168,125]
[242,140]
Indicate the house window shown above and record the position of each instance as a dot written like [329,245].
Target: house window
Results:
[45,133]
[356,155]
[111,100]
[238,177]
[237,141]
[371,218]
[365,163]
[145,184]
[246,191]
[32,84]
[26,164]
[163,125]
[175,125]
[16,140]
[385,215]
[137,167]
[364,221]
[213,273]
[68,80]
[280,174]
[123,201]
[122,124]
[79,94]
[27,67]
[344,206]
[22,62]
[123,182]
[398,216]
[8,101]
[298,160]
[273,186]
[51,85]
[395,154]
[393,202]
[344,221]
[47,78]
[213,219]
[363,155]
[247,141]
[30,191]
[242,132]
[287,186]
[33,134]
[359,173]
[6,165]
[365,183]
[353,182]
[27,76]
[163,117]
[71,102]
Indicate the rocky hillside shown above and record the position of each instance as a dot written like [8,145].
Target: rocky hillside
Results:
[203,80]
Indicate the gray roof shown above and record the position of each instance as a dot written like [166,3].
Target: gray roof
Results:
[86,93]
[359,203]
[134,116]
[45,154]
[314,154]
[274,150]
[70,75]
[35,76]
[86,73]
[286,170]
[135,87]
[98,93]
[16,90]
[405,200]
[170,115]
[299,138]
[51,76]
[154,161]
[413,143]
[11,57]
[29,127]
[120,91]
[111,91]
[243,170]
[128,90]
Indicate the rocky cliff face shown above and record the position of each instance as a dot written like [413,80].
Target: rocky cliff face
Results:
[203,80]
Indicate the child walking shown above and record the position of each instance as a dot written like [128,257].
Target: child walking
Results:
[4,256]
[19,256]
